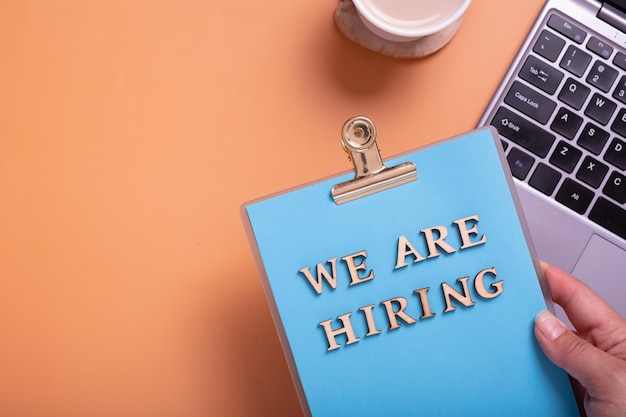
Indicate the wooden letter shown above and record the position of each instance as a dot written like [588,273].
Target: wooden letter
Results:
[425,303]
[466,234]
[345,329]
[369,318]
[405,248]
[394,315]
[479,284]
[354,268]
[322,273]
[442,232]
[464,298]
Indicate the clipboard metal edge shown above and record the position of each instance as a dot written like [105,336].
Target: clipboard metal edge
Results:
[383,180]
[358,137]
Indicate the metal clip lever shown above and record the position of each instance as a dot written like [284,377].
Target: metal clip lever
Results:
[358,137]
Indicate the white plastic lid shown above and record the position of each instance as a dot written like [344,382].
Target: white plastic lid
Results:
[409,19]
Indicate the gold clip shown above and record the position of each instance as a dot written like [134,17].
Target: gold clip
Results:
[358,137]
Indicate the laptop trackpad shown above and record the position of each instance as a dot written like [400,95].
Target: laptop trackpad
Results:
[603,267]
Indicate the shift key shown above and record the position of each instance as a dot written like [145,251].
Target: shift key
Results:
[523,132]
[530,102]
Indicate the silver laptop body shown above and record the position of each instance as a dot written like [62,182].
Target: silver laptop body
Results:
[561,114]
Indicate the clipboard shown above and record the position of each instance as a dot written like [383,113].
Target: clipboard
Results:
[408,287]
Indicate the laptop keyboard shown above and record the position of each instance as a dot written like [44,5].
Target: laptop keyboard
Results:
[563,122]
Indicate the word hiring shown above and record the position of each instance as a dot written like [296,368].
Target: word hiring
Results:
[395,308]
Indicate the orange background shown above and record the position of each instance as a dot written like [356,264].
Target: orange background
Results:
[131,133]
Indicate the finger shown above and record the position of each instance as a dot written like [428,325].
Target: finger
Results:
[591,366]
[592,317]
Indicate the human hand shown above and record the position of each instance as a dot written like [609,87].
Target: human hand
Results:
[596,355]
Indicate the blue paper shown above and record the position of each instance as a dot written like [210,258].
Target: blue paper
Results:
[475,360]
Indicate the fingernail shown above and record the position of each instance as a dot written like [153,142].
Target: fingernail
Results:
[550,326]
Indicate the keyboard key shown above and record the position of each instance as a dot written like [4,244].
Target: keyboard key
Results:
[619,124]
[566,28]
[610,216]
[574,93]
[523,132]
[574,195]
[593,138]
[616,153]
[520,163]
[592,172]
[545,179]
[530,102]
[620,60]
[600,109]
[615,187]
[566,123]
[602,76]
[541,75]
[599,47]
[549,45]
[575,61]
[620,90]
[565,156]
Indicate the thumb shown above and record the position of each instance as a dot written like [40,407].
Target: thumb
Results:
[579,358]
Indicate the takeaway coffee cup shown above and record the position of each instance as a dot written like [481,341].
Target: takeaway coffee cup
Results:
[401,27]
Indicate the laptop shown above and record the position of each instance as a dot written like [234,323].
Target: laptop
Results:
[561,114]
